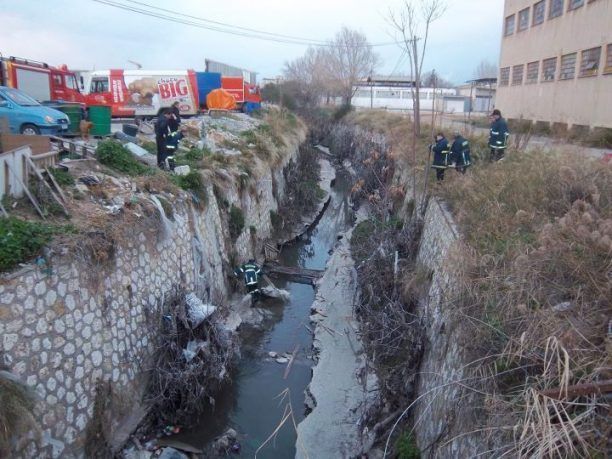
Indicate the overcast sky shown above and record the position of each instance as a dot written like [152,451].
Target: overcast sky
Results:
[85,34]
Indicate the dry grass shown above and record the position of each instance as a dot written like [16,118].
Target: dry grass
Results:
[538,291]
[535,293]
[17,412]
[261,149]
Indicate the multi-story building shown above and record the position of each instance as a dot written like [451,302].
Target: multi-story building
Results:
[556,62]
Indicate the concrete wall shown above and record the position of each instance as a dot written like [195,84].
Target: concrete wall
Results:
[581,100]
[64,329]
[446,416]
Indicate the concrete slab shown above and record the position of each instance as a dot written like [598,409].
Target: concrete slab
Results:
[340,390]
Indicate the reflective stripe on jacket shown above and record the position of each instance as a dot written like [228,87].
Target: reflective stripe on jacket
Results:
[441,151]
[498,136]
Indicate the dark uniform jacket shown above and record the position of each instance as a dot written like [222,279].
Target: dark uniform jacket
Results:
[461,152]
[161,127]
[251,272]
[440,151]
[175,120]
[498,134]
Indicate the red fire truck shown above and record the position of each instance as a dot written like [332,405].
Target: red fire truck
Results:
[40,80]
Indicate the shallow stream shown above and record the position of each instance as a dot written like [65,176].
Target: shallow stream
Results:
[259,396]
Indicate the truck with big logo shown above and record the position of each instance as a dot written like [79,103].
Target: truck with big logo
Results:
[142,93]
[145,93]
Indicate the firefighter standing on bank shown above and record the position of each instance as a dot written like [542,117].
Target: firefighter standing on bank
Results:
[162,131]
[498,137]
[441,151]
[460,152]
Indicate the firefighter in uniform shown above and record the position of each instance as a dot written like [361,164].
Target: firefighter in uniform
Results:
[162,130]
[441,152]
[460,152]
[251,272]
[498,137]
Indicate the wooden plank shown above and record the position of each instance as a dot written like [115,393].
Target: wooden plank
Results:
[27,192]
[55,184]
[42,179]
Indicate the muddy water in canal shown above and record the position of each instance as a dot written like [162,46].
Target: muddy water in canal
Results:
[259,396]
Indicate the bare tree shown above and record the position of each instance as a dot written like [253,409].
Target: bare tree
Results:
[431,78]
[351,59]
[412,24]
[486,69]
[312,74]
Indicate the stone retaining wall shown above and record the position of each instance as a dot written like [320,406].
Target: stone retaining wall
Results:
[65,329]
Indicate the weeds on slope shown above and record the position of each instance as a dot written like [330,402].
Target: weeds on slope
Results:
[539,296]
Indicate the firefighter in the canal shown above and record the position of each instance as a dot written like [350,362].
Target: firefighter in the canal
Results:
[441,153]
[460,152]
[250,272]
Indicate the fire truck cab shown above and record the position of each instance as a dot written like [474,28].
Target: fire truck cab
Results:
[39,80]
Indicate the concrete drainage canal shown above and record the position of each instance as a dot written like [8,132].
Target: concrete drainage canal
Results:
[266,400]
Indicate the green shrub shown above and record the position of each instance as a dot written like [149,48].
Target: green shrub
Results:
[193,182]
[114,155]
[406,447]
[62,177]
[21,240]
[253,230]
[360,238]
[236,222]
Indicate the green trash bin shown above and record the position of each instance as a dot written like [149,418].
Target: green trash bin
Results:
[75,115]
[100,116]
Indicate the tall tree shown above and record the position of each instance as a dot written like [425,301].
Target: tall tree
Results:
[351,59]
[486,69]
[311,73]
[412,23]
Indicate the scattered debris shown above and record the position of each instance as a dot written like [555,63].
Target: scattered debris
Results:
[282,360]
[182,170]
[197,311]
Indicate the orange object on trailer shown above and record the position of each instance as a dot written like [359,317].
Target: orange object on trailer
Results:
[220,99]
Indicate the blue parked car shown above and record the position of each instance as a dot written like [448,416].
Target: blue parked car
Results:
[26,116]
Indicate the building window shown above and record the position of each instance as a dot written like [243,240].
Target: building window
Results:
[532,72]
[608,67]
[573,4]
[509,27]
[556,9]
[568,67]
[504,76]
[523,19]
[517,75]
[589,62]
[538,12]
[549,69]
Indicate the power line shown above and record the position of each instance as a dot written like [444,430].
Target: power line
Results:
[219,27]
[225,24]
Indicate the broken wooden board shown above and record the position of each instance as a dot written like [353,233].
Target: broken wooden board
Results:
[295,274]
